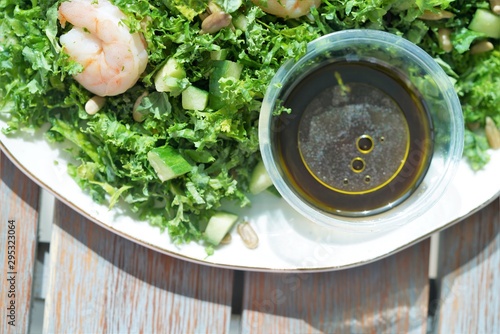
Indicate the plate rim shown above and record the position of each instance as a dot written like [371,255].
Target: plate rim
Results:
[180,256]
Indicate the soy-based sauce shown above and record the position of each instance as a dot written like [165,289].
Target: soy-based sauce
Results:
[358,140]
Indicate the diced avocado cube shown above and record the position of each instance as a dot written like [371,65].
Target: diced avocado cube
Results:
[260,179]
[218,226]
[219,54]
[168,163]
[194,98]
[222,69]
[170,77]
[486,22]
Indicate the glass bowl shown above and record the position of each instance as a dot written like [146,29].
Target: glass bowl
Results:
[362,133]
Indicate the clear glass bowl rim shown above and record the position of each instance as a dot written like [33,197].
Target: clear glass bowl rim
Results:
[391,218]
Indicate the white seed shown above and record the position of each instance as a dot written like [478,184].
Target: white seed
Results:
[481,47]
[473,126]
[434,16]
[248,235]
[213,7]
[136,115]
[146,22]
[94,104]
[495,6]
[203,15]
[492,134]
[444,39]
[226,240]
[215,22]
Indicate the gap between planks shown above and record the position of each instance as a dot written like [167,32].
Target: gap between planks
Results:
[46,218]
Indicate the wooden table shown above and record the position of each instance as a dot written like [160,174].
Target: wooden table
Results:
[100,282]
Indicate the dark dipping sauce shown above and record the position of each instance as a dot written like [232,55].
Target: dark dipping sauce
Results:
[358,140]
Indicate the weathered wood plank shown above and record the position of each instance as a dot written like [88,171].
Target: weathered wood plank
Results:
[469,274]
[390,295]
[101,282]
[18,203]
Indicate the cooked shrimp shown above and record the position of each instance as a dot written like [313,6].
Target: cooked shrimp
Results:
[287,8]
[111,56]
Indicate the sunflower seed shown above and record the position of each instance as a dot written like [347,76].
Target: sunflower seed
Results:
[248,235]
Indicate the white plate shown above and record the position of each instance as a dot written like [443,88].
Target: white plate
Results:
[288,242]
